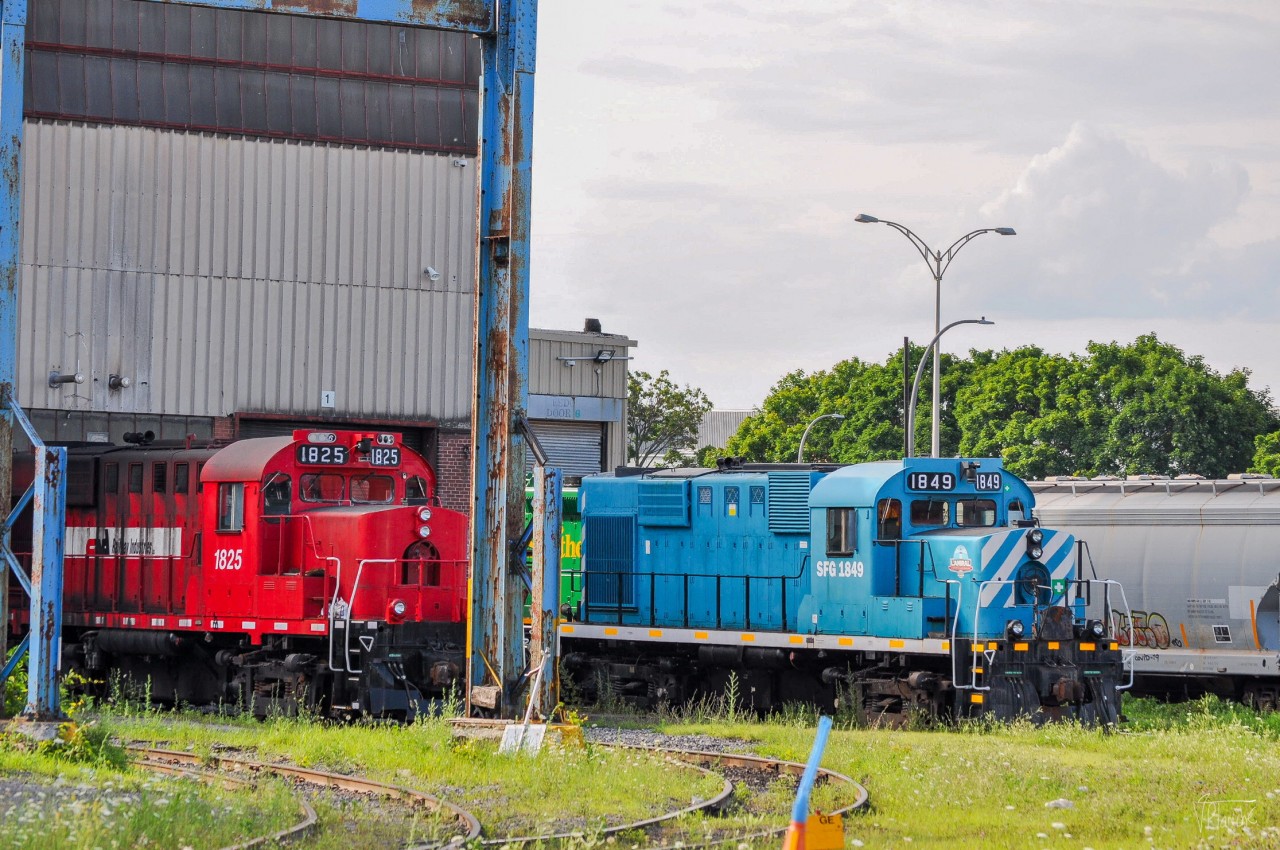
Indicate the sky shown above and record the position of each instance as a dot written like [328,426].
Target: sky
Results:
[698,167]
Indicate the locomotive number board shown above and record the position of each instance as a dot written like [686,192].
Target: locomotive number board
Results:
[383,456]
[987,482]
[312,455]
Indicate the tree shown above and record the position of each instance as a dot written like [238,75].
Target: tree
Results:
[1029,408]
[1159,411]
[662,419]
[1266,455]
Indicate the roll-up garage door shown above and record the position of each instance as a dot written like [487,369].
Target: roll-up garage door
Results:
[575,447]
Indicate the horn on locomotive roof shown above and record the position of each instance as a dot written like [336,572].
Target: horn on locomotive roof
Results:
[139,438]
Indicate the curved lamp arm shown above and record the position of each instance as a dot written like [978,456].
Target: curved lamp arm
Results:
[805,435]
[915,385]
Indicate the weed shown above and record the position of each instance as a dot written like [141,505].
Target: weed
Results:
[88,744]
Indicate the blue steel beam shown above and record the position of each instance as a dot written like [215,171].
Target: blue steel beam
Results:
[548,505]
[49,537]
[13,36]
[495,633]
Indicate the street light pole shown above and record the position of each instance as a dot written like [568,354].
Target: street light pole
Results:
[805,435]
[915,385]
[938,262]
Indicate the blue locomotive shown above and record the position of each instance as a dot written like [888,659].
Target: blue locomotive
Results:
[914,586]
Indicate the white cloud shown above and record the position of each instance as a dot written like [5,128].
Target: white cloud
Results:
[698,166]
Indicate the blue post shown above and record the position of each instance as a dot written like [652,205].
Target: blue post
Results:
[13,37]
[49,537]
[495,655]
[548,495]
[800,811]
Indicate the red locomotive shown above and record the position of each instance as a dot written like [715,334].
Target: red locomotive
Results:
[315,571]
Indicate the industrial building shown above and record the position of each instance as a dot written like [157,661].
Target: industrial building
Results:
[236,223]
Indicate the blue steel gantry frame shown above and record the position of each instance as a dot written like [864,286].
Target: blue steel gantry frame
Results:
[508,31]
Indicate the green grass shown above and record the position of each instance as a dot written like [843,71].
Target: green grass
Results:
[1161,782]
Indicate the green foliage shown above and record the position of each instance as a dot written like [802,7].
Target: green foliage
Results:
[15,687]
[1144,407]
[1266,454]
[662,419]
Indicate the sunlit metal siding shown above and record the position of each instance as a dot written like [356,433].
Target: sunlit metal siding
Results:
[551,375]
[224,274]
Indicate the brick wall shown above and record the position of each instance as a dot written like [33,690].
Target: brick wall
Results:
[224,428]
[453,469]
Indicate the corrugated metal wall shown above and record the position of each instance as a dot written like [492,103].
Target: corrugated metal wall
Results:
[222,273]
[549,375]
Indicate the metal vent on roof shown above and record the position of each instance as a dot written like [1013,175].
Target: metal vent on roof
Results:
[664,503]
[789,501]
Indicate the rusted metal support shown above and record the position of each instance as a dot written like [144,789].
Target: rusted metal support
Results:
[48,538]
[495,656]
[13,36]
[544,608]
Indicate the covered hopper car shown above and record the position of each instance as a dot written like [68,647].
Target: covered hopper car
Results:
[916,586]
[1200,560]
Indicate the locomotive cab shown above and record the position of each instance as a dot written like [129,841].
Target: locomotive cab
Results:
[941,549]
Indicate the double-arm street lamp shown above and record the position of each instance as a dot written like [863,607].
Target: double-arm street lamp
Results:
[805,435]
[910,418]
[938,261]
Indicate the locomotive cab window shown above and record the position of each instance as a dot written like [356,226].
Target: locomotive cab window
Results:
[975,513]
[231,507]
[889,519]
[111,479]
[841,528]
[1017,512]
[321,487]
[277,495]
[415,490]
[182,478]
[159,478]
[930,512]
[135,478]
[372,489]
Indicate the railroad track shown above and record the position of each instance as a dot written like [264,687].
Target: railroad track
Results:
[467,826]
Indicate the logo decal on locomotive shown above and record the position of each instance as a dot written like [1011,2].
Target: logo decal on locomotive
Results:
[960,561]
[87,541]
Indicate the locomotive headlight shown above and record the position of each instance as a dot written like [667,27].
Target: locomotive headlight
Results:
[424,532]
[1034,552]
[1015,629]
[1095,628]
[396,610]
[424,514]
[1035,536]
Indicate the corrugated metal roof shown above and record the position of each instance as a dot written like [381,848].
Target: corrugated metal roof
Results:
[719,425]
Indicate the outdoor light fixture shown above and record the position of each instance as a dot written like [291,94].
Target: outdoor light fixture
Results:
[938,262]
[118,382]
[57,379]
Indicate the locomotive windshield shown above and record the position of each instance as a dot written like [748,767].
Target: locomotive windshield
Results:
[372,489]
[975,513]
[930,512]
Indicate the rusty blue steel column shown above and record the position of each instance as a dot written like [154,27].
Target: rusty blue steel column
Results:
[548,493]
[49,535]
[495,654]
[13,29]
